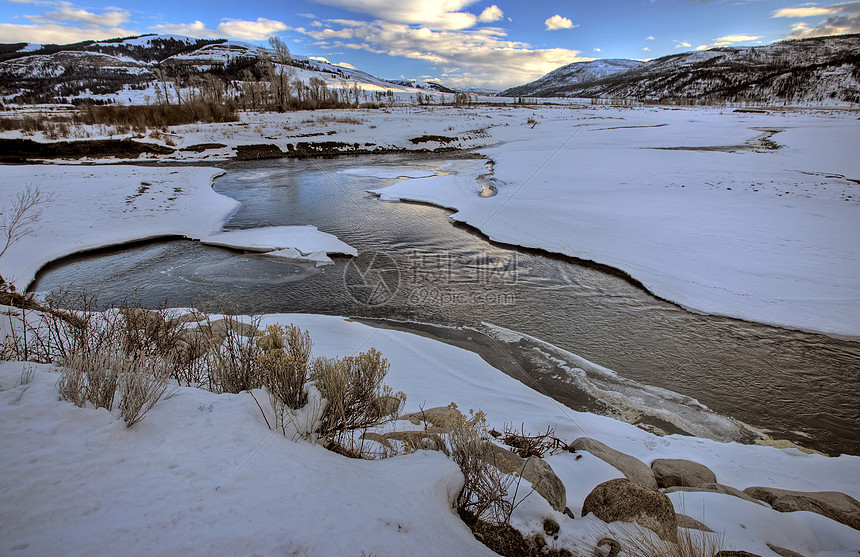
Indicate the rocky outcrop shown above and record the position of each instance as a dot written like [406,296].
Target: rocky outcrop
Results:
[536,470]
[832,504]
[715,488]
[633,469]
[628,501]
[691,523]
[671,472]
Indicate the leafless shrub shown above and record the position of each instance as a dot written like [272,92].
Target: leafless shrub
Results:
[527,445]
[350,386]
[160,116]
[284,368]
[232,362]
[139,390]
[485,492]
[27,375]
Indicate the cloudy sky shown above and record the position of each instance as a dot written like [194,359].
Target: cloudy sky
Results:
[487,43]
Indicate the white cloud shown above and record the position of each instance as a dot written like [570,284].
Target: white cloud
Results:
[67,23]
[66,11]
[803,12]
[257,30]
[729,40]
[596,50]
[682,44]
[482,56]
[557,22]
[247,30]
[52,33]
[435,14]
[650,38]
[197,30]
[492,13]
[646,49]
[345,65]
[844,19]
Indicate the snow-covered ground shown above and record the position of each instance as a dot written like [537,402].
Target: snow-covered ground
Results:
[202,474]
[85,208]
[762,235]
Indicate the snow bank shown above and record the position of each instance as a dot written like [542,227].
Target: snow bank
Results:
[90,207]
[292,242]
[682,202]
[202,474]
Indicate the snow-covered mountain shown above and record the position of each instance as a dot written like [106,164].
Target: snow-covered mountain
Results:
[572,75]
[49,73]
[818,70]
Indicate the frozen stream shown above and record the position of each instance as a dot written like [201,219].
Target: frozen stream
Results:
[425,269]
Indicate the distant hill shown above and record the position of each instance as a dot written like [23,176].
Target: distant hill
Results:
[126,70]
[101,70]
[819,70]
[556,82]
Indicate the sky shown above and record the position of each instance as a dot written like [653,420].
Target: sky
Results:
[480,43]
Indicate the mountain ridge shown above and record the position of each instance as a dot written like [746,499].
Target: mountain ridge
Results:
[802,71]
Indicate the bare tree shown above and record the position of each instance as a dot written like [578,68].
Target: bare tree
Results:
[21,218]
[280,76]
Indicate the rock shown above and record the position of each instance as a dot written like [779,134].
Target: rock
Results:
[690,523]
[783,552]
[832,504]
[670,472]
[442,417]
[633,469]
[190,317]
[551,527]
[387,405]
[715,488]
[736,553]
[536,471]
[629,501]
[378,437]
[569,513]
[219,329]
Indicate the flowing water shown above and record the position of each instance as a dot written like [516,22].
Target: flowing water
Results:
[418,270]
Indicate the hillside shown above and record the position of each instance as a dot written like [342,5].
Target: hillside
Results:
[571,75]
[110,71]
[819,70]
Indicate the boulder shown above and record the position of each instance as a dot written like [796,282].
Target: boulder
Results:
[670,472]
[832,504]
[715,488]
[628,501]
[691,523]
[442,417]
[783,552]
[736,553]
[536,470]
[633,469]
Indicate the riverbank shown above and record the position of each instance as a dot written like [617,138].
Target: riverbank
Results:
[201,459]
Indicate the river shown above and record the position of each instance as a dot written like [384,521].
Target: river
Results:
[442,279]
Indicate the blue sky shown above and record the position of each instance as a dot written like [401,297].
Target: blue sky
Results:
[492,43]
